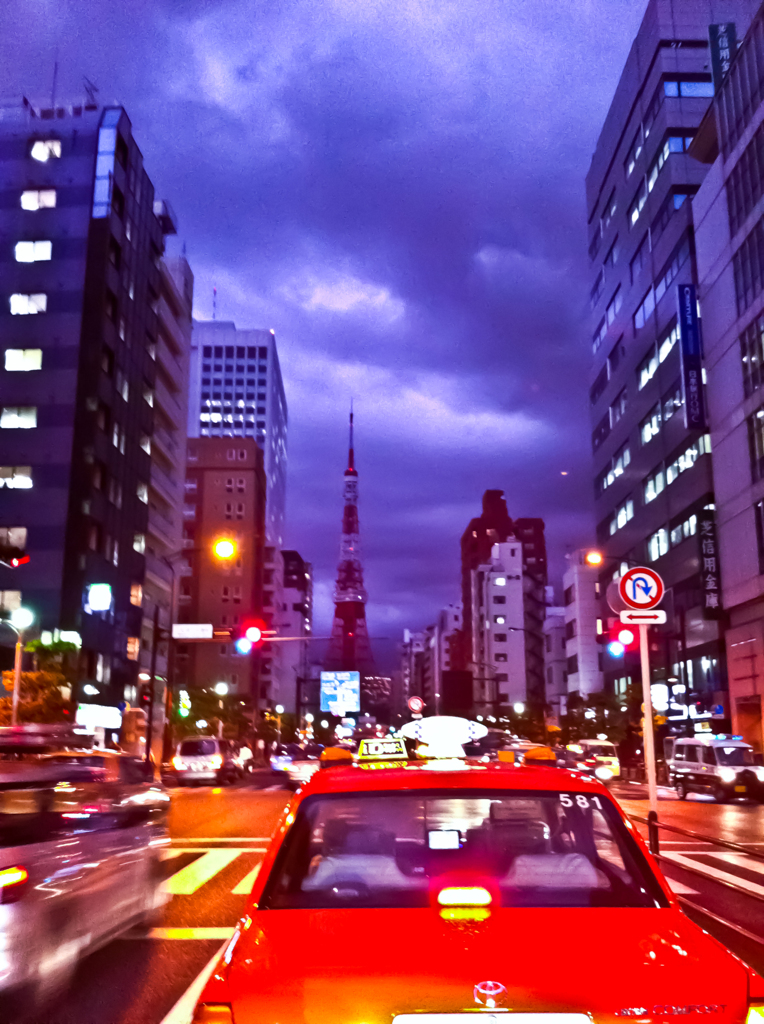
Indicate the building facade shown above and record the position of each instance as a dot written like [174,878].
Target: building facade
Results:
[555,664]
[583,652]
[79,324]
[729,226]
[652,474]
[225,500]
[236,390]
[494,526]
[295,619]
[499,671]
[164,532]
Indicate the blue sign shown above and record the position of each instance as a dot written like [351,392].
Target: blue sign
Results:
[690,355]
[341,692]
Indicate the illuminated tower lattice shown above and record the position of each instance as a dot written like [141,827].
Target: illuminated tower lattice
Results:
[349,647]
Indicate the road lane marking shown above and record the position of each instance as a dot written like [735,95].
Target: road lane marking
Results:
[739,860]
[680,889]
[183,1010]
[244,888]
[170,854]
[188,933]
[715,874]
[194,875]
[224,849]
[219,839]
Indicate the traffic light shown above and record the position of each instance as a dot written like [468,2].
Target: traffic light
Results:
[224,549]
[621,639]
[144,696]
[249,635]
[184,704]
[12,547]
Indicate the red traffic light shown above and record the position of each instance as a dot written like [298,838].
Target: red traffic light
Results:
[249,635]
[620,639]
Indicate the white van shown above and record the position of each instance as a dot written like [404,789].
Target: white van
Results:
[723,766]
[603,751]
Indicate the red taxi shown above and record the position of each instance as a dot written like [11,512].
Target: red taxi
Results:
[416,893]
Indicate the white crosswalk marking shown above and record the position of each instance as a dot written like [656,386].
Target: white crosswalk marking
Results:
[194,875]
[740,860]
[244,888]
[715,873]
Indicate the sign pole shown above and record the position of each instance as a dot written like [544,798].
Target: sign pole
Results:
[648,736]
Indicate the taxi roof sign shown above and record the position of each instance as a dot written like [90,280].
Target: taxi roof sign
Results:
[382,748]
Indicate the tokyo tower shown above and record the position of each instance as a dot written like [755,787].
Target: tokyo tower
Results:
[349,648]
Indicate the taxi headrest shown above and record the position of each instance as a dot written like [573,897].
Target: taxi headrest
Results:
[540,754]
[335,756]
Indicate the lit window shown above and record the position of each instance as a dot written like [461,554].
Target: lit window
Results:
[136,595]
[18,477]
[139,543]
[654,484]
[18,417]
[650,425]
[10,600]
[45,149]
[658,544]
[23,305]
[143,493]
[38,199]
[33,252]
[23,359]
[133,647]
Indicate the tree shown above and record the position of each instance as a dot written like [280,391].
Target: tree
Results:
[207,706]
[41,698]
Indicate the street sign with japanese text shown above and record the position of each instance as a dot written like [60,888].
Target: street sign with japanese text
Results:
[708,556]
[641,588]
[723,45]
[192,631]
[690,358]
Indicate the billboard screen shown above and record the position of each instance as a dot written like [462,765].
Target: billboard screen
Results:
[341,692]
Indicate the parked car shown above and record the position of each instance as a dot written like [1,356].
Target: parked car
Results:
[80,849]
[723,766]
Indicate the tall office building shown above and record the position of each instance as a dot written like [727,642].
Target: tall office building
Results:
[80,335]
[225,499]
[729,225]
[494,526]
[583,652]
[652,476]
[236,390]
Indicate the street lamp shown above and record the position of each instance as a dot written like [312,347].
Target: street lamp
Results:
[21,619]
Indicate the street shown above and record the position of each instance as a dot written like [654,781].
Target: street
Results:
[218,839]
[720,889]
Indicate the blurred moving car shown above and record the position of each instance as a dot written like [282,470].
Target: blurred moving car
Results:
[604,754]
[284,754]
[723,766]
[492,868]
[81,837]
[200,759]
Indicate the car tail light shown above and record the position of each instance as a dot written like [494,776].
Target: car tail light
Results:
[178,765]
[755,1014]
[216,761]
[212,1013]
[12,883]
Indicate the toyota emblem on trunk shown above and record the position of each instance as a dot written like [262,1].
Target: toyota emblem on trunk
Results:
[486,993]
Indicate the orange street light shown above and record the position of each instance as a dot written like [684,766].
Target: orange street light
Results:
[594,558]
[224,548]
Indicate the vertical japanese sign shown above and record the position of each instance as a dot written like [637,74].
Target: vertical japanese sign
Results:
[708,556]
[723,44]
[692,373]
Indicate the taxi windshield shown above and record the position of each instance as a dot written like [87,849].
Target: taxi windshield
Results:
[735,756]
[542,849]
[600,749]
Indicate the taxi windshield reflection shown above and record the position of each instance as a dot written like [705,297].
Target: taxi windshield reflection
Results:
[390,850]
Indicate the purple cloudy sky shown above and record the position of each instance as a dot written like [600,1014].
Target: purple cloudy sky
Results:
[397,188]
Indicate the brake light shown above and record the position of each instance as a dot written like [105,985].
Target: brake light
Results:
[755,1014]
[216,761]
[464,896]
[12,883]
[178,765]
[212,1013]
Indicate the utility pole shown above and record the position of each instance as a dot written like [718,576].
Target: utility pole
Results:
[152,683]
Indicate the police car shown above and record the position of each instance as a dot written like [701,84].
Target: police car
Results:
[401,892]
